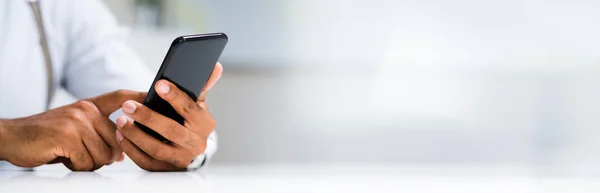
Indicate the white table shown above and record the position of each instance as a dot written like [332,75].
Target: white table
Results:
[295,178]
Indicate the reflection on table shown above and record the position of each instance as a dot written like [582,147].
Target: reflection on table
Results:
[300,178]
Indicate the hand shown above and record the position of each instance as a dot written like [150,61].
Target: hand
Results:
[187,140]
[79,135]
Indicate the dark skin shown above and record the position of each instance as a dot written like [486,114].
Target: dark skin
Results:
[188,140]
[81,136]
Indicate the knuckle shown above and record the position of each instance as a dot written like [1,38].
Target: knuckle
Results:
[76,116]
[79,104]
[175,133]
[84,105]
[189,106]
[143,116]
[147,116]
[121,93]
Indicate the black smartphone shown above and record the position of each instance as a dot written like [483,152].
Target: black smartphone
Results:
[188,64]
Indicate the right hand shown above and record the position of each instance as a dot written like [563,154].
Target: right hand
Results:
[79,135]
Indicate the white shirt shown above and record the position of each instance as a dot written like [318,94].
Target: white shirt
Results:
[88,52]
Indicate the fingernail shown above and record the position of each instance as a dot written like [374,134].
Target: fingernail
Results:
[121,121]
[129,107]
[119,136]
[163,88]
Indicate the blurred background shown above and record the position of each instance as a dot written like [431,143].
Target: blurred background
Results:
[506,82]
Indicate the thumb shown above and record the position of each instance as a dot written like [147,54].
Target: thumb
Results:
[110,102]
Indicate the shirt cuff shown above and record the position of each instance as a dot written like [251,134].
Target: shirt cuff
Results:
[203,159]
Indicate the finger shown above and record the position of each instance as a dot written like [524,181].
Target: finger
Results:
[202,105]
[168,128]
[179,100]
[58,160]
[100,152]
[214,77]
[207,124]
[121,157]
[110,102]
[106,128]
[80,159]
[103,127]
[142,159]
[153,147]
[96,167]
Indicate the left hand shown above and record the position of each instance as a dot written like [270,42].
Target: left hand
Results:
[188,140]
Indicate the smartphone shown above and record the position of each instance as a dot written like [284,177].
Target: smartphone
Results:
[188,64]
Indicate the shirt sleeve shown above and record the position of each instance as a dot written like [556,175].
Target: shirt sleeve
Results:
[99,61]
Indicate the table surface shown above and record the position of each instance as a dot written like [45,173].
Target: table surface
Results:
[298,178]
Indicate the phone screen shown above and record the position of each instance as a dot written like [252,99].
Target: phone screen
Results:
[188,65]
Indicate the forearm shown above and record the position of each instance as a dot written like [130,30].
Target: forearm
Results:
[2,139]
[7,137]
